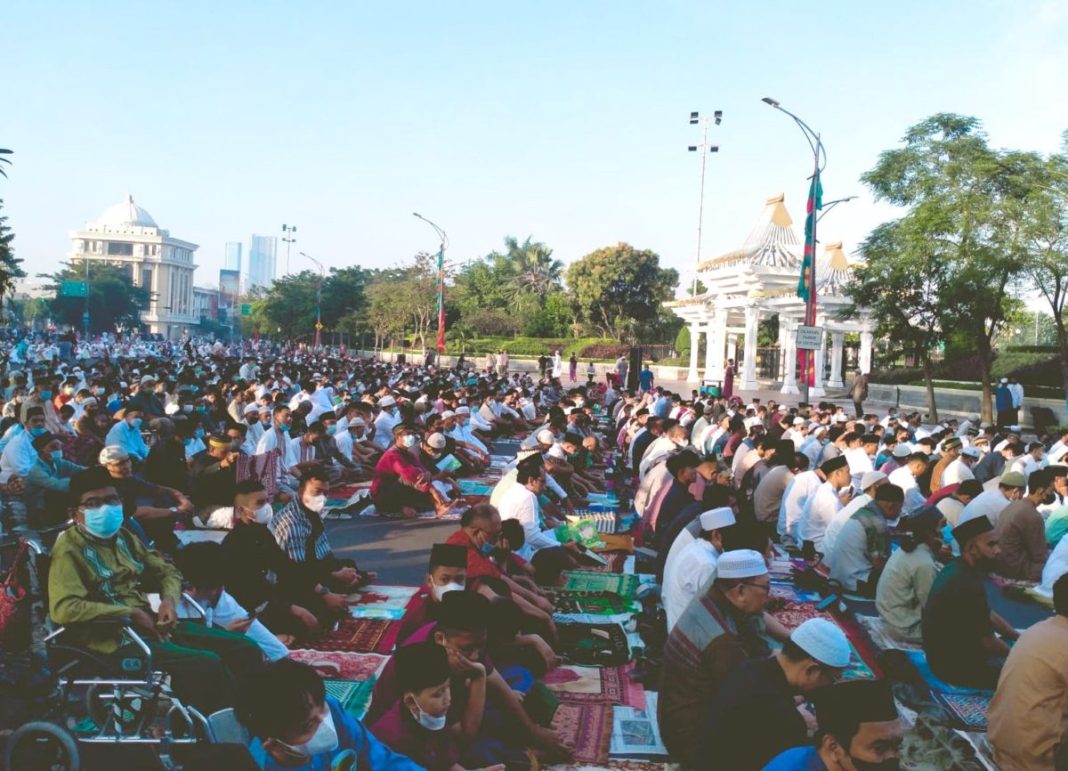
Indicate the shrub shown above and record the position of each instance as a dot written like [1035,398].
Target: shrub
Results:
[611,351]
[682,340]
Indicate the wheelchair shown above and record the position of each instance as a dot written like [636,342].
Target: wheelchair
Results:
[117,709]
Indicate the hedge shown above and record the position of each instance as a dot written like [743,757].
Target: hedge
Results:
[534,346]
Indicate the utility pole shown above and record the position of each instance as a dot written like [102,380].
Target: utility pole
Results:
[704,148]
[289,238]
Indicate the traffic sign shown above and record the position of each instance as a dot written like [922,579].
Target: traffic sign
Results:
[809,338]
[318,325]
[246,309]
[74,289]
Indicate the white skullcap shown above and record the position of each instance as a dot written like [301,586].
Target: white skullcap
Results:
[1016,429]
[870,478]
[251,408]
[971,451]
[799,421]
[741,563]
[463,410]
[147,379]
[823,641]
[902,450]
[921,433]
[448,414]
[89,400]
[974,418]
[112,454]
[714,519]
[357,422]
[524,454]
[545,436]
[436,440]
[172,408]
[753,421]
[386,401]
[841,418]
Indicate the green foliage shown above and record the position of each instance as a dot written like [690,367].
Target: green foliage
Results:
[491,322]
[9,263]
[523,346]
[555,319]
[619,289]
[114,301]
[682,340]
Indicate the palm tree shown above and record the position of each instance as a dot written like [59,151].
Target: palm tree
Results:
[534,272]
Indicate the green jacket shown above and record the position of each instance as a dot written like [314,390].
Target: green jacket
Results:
[92,578]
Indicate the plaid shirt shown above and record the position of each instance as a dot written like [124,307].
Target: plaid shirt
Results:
[292,528]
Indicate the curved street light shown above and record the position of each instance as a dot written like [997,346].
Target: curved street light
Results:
[318,300]
[441,279]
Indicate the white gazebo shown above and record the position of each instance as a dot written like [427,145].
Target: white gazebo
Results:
[760,280]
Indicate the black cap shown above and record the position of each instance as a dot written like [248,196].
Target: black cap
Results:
[832,465]
[966,531]
[448,555]
[94,478]
[842,706]
[420,666]
[463,612]
[43,440]
[926,518]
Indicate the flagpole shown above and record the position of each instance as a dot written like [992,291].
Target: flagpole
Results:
[441,279]
[811,218]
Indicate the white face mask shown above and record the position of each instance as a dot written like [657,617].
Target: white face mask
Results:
[323,740]
[429,722]
[314,503]
[441,591]
[263,514]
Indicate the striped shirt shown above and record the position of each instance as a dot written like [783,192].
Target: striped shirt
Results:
[293,528]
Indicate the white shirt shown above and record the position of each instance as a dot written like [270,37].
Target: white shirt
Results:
[951,509]
[1056,566]
[849,561]
[859,464]
[271,441]
[384,424]
[521,504]
[18,457]
[989,503]
[819,510]
[658,449]
[696,567]
[793,502]
[956,472]
[840,517]
[226,611]
[903,478]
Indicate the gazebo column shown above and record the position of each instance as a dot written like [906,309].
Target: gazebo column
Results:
[837,344]
[817,379]
[692,376]
[710,350]
[732,347]
[789,352]
[752,319]
[717,333]
[864,363]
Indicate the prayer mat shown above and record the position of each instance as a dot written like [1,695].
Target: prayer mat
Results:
[261,467]
[601,685]
[603,521]
[793,614]
[580,581]
[623,543]
[593,644]
[863,650]
[600,605]
[883,636]
[587,727]
[341,498]
[937,685]
[354,696]
[381,602]
[967,710]
[618,764]
[361,635]
[931,745]
[341,665]
[858,668]
[789,592]
[474,487]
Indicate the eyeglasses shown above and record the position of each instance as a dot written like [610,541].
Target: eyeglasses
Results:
[766,587]
[94,503]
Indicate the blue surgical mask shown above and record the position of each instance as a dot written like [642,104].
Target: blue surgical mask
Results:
[46,395]
[136,424]
[331,430]
[105,521]
[57,456]
[199,433]
[37,431]
[486,549]
[283,427]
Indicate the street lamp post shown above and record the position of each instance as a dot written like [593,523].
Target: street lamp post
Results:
[289,238]
[441,279]
[819,161]
[696,119]
[318,300]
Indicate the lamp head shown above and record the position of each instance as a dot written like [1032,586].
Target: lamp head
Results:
[718,115]
[714,149]
[769,100]
[693,118]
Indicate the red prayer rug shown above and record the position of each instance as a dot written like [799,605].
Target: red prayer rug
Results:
[360,635]
[603,685]
[587,727]
[341,665]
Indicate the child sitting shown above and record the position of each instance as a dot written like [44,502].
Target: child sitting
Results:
[417,725]
[201,565]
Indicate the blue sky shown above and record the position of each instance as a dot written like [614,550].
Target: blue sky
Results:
[562,120]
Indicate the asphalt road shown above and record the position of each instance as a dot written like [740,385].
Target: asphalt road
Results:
[398,550]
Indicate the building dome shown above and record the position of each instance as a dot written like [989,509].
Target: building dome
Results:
[126,214]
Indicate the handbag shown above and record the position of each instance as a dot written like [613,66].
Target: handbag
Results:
[12,599]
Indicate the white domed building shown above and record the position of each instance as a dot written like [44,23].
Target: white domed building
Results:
[126,235]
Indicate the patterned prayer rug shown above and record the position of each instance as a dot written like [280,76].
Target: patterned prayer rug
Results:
[587,727]
[969,710]
[884,637]
[793,614]
[593,645]
[361,635]
[341,665]
[602,685]
[624,543]
[623,586]
[602,605]
[381,602]
[353,695]
[475,487]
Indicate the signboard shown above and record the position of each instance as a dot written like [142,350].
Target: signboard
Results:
[809,338]
[74,289]
[246,309]
[230,284]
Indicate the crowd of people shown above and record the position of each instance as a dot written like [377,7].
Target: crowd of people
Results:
[135,443]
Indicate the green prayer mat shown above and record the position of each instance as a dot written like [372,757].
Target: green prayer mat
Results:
[353,695]
[583,581]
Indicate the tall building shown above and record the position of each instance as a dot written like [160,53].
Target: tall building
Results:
[232,256]
[126,235]
[262,252]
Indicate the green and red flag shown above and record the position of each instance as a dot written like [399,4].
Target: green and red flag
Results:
[806,285]
[441,299]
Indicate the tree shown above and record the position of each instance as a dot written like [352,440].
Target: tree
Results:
[9,263]
[288,307]
[899,285]
[1045,234]
[114,301]
[966,200]
[533,272]
[387,314]
[619,288]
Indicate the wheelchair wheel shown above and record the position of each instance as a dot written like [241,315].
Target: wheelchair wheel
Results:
[41,746]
